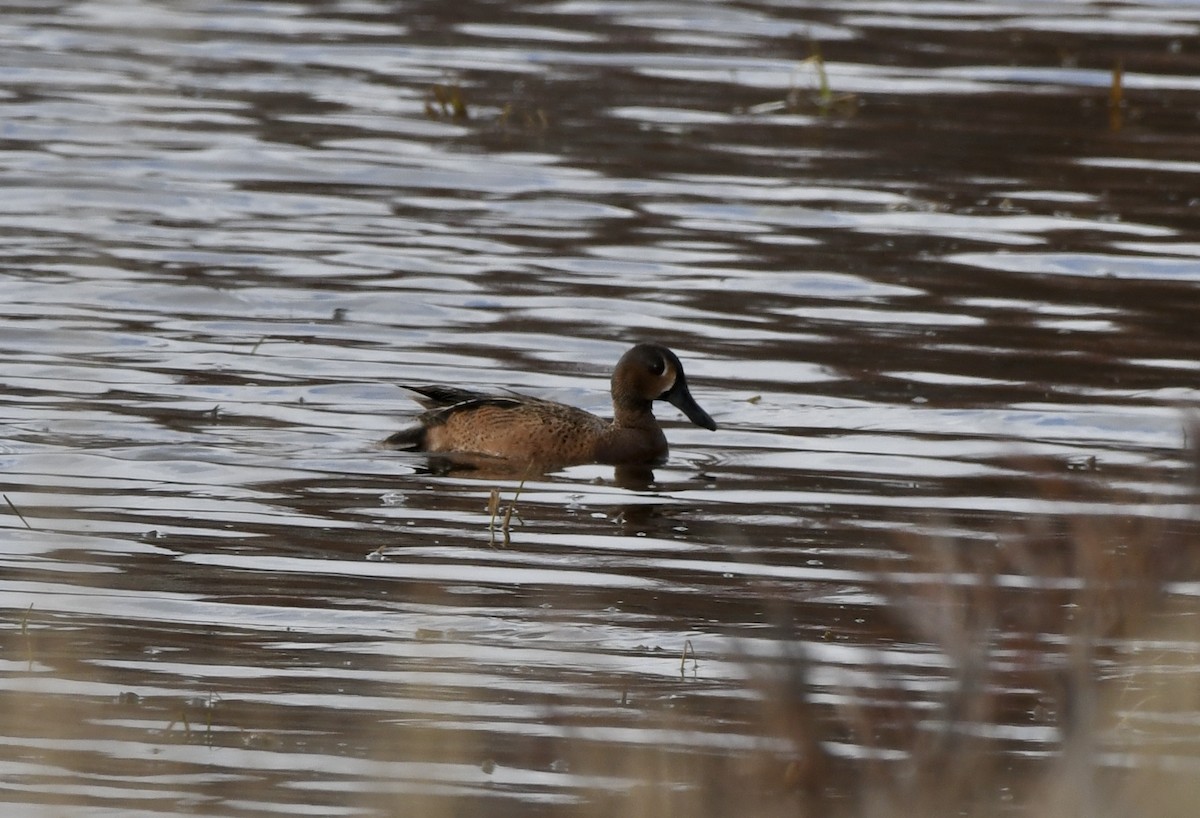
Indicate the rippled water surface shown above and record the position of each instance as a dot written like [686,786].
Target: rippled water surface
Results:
[939,287]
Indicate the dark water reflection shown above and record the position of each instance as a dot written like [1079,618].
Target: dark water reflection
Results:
[952,306]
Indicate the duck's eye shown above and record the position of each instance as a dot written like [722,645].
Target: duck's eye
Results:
[657,365]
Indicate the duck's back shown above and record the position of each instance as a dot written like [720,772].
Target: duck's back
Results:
[519,428]
[524,429]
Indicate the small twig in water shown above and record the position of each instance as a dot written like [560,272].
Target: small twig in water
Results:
[506,520]
[1116,97]
[822,99]
[180,719]
[208,718]
[494,509]
[17,511]
[688,648]
[446,102]
[508,515]
[25,633]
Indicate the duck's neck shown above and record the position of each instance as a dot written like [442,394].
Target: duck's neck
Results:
[633,413]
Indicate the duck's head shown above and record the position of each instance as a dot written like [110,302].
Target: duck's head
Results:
[650,372]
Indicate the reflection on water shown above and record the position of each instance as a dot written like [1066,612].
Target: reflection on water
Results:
[946,327]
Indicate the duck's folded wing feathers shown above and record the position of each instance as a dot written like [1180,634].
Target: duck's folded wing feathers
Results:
[436,396]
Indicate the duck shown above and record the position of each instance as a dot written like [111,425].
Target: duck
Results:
[520,429]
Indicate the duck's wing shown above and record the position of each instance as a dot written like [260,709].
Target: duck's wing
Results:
[436,396]
[440,402]
[453,405]
[439,414]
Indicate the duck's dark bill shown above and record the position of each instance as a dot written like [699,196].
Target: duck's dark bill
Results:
[680,397]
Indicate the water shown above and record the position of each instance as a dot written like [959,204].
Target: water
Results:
[945,312]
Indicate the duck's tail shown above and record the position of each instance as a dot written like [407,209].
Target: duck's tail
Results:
[411,439]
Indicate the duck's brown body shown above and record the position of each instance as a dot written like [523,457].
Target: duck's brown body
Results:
[523,429]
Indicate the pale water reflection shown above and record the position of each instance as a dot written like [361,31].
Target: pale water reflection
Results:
[943,311]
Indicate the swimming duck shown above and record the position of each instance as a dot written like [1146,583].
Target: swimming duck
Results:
[519,428]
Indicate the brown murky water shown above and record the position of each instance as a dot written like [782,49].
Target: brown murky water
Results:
[228,230]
